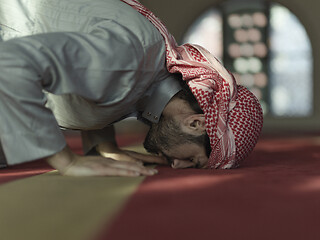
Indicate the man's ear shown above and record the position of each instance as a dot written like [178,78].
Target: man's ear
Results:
[194,124]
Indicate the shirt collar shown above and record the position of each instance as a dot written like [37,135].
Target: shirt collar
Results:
[160,98]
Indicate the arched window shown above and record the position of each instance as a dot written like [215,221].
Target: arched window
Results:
[290,65]
[268,50]
[207,32]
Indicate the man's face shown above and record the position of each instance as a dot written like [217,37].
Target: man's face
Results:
[181,149]
[187,155]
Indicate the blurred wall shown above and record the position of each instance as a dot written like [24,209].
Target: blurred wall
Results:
[178,15]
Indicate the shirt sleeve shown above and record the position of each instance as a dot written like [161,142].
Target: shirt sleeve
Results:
[58,63]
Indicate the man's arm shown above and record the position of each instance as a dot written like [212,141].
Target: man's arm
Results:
[103,142]
[70,164]
[59,63]
[92,138]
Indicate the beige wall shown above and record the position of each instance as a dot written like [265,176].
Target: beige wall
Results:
[179,14]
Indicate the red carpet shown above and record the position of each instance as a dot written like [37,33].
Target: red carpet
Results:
[274,195]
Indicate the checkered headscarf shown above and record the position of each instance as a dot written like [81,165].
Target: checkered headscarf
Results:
[233,114]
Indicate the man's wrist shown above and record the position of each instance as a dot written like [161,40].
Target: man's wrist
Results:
[61,160]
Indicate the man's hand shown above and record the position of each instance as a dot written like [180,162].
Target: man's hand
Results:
[70,164]
[110,150]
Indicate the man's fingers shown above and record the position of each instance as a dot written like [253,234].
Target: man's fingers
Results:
[120,157]
[100,166]
[134,167]
[148,158]
[123,172]
[105,171]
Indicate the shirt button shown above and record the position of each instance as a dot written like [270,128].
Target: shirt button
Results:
[155,117]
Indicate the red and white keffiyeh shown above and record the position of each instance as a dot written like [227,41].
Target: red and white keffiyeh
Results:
[233,114]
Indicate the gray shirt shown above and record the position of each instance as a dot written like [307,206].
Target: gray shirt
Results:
[99,59]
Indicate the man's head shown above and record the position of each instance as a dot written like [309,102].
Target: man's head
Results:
[180,134]
[233,116]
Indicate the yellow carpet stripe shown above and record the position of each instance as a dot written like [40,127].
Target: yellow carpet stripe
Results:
[53,207]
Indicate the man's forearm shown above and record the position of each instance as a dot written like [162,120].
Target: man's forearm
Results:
[107,149]
[92,138]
